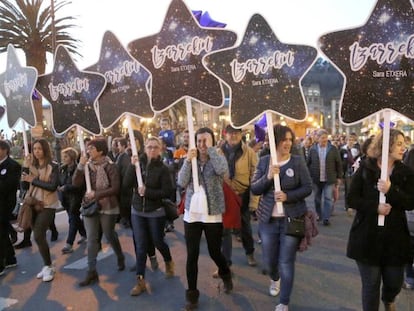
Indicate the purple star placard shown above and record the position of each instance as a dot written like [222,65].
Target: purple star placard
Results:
[174,58]
[127,83]
[377,61]
[263,74]
[72,94]
[16,85]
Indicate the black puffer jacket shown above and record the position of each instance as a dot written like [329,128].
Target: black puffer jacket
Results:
[368,242]
[157,181]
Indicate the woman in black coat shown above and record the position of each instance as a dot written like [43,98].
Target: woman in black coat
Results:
[381,252]
[71,198]
[147,213]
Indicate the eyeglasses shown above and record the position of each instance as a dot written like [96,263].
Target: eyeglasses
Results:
[152,147]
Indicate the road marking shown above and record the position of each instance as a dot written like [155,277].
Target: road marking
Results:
[83,262]
[6,302]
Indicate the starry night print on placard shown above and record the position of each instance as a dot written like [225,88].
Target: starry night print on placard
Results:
[173,56]
[377,62]
[72,94]
[263,74]
[16,85]
[127,80]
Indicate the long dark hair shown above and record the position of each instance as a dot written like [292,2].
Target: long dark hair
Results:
[47,153]
[205,130]
[280,133]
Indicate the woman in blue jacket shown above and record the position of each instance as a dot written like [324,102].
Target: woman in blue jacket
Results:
[279,249]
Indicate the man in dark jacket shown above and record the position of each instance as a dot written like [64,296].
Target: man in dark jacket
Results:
[325,167]
[10,172]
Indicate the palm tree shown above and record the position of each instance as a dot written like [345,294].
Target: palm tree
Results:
[29,25]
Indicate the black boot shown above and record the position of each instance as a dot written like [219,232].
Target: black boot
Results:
[191,297]
[91,278]
[26,240]
[55,234]
[227,282]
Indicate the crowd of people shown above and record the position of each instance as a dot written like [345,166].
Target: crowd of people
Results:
[318,164]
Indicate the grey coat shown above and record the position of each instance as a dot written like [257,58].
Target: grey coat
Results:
[211,177]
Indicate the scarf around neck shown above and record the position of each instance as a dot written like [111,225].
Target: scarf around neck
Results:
[102,180]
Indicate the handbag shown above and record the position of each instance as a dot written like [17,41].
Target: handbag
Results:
[89,209]
[170,208]
[24,218]
[198,203]
[295,227]
[36,205]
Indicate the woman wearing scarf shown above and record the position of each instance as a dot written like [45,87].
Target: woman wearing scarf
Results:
[41,176]
[147,213]
[105,185]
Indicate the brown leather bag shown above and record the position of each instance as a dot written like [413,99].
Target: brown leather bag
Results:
[29,207]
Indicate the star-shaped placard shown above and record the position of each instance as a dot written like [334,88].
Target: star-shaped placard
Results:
[16,85]
[127,83]
[72,94]
[263,74]
[173,56]
[377,62]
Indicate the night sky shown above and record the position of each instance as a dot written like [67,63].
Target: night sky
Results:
[72,94]
[16,85]
[127,83]
[173,56]
[377,61]
[271,76]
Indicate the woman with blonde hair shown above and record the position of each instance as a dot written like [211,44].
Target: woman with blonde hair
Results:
[71,198]
[147,214]
[381,252]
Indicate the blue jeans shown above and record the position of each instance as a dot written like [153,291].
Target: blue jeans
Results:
[392,279]
[144,229]
[75,225]
[279,255]
[323,199]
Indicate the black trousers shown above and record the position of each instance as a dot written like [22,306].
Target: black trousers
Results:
[213,233]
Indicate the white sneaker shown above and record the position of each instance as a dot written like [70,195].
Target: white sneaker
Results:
[40,274]
[274,288]
[282,307]
[48,274]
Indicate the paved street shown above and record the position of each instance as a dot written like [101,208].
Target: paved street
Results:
[325,279]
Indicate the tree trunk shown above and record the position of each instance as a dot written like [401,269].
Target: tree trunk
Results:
[36,57]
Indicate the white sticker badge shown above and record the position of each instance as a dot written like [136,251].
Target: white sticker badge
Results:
[290,172]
